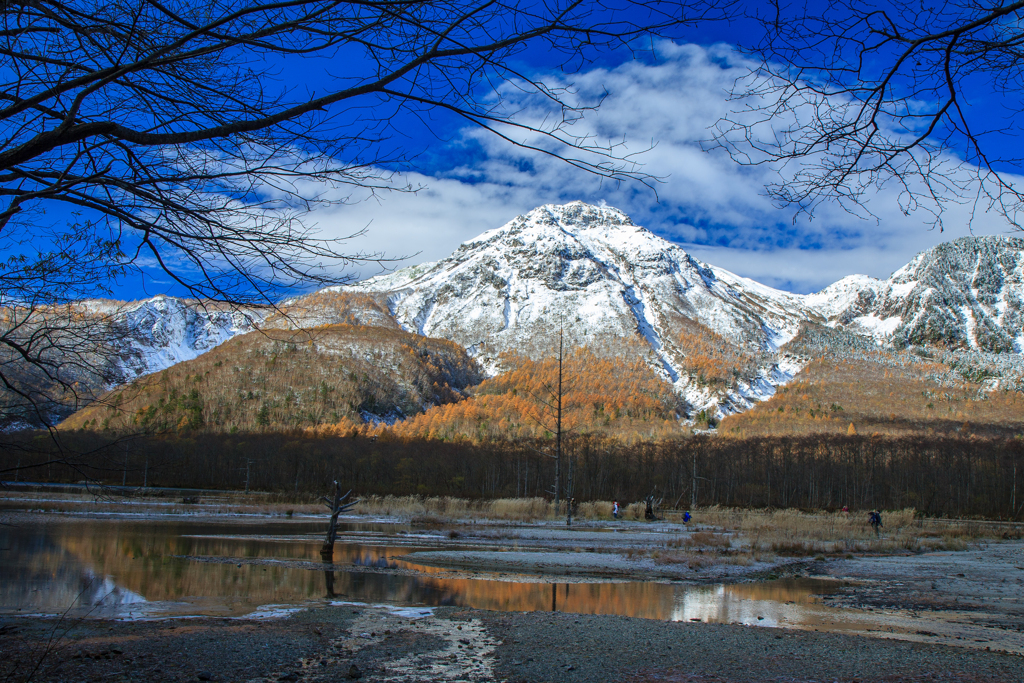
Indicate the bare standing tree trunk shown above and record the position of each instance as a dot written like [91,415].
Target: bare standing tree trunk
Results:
[337,505]
[553,400]
[558,421]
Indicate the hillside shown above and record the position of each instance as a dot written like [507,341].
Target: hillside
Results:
[888,394]
[283,379]
[608,395]
[966,294]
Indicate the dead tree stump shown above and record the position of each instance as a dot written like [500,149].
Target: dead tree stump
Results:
[337,505]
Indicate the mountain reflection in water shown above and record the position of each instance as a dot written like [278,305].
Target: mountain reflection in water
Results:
[111,566]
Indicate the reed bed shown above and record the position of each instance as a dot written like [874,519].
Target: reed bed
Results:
[446,509]
[442,509]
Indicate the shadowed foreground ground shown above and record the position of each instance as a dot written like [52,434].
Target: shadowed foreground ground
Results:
[452,644]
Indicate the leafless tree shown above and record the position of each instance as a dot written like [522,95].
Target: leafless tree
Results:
[556,414]
[193,136]
[849,97]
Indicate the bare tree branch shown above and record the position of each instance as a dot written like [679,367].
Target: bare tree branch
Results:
[860,96]
[184,135]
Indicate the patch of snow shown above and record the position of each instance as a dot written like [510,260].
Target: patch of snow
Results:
[841,295]
[374,419]
[880,328]
[273,612]
[645,328]
[396,610]
[901,289]
[970,325]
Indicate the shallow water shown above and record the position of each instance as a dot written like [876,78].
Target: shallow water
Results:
[136,568]
[127,567]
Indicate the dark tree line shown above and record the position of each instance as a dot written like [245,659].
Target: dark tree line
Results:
[939,476]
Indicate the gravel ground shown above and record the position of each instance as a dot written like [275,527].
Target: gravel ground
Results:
[451,644]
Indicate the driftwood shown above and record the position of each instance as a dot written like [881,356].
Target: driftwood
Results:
[651,507]
[336,506]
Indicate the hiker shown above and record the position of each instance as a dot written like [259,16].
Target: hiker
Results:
[686,517]
[846,511]
[875,518]
[615,509]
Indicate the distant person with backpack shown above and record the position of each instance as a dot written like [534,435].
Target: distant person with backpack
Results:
[875,519]
[686,517]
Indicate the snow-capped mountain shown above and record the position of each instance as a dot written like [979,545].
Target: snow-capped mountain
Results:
[154,334]
[610,284]
[968,293]
[99,344]
[590,271]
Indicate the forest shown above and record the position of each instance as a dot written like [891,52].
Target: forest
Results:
[388,412]
[937,475]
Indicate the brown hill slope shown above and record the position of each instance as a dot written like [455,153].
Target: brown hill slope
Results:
[860,395]
[282,379]
[602,394]
[328,307]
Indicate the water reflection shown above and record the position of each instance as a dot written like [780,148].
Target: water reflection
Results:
[154,567]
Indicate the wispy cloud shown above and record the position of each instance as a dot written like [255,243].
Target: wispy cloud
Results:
[707,203]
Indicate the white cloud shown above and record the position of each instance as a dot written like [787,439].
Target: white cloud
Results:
[708,203]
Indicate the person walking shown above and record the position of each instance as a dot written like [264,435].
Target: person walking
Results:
[615,509]
[875,518]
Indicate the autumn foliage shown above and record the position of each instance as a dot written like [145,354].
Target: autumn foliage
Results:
[861,396]
[710,358]
[601,394]
[281,379]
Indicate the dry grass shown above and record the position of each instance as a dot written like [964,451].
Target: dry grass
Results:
[445,509]
[793,532]
[441,509]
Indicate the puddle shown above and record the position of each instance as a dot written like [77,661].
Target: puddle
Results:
[146,569]
[149,569]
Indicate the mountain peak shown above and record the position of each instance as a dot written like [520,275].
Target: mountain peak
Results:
[573,218]
[579,214]
[968,293]
[606,283]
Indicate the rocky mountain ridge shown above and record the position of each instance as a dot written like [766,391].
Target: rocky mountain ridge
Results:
[965,294]
[154,334]
[588,271]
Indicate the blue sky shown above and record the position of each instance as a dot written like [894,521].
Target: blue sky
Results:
[708,204]
[663,106]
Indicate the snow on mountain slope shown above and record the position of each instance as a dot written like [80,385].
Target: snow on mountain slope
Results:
[154,334]
[607,282]
[968,294]
[852,293]
[616,287]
